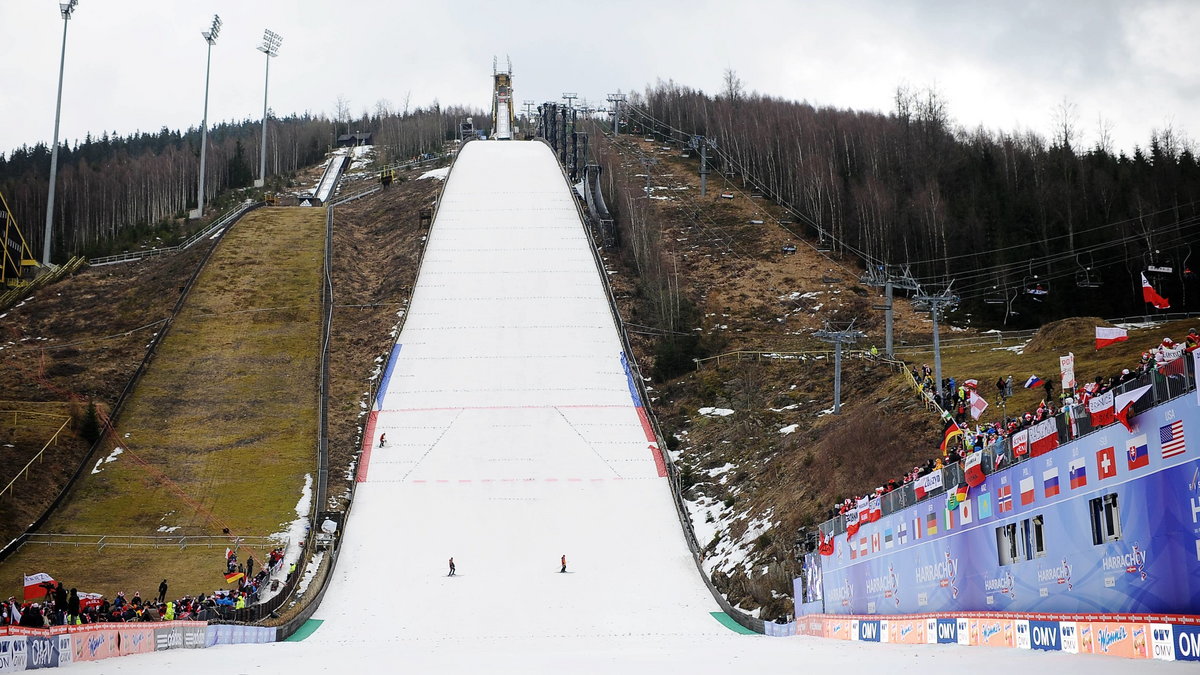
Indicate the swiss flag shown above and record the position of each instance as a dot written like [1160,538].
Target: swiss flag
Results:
[1106,463]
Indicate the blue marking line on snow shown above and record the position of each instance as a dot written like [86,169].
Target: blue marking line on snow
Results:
[387,375]
[633,392]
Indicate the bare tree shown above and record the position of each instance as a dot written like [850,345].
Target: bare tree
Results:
[732,86]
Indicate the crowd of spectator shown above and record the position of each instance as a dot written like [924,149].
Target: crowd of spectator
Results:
[61,606]
[954,399]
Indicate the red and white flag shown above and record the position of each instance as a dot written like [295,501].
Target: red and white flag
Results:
[1151,296]
[876,509]
[1101,409]
[978,405]
[1106,336]
[1020,443]
[33,585]
[1123,405]
[1043,437]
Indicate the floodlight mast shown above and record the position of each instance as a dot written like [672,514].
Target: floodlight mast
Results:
[270,47]
[210,36]
[67,9]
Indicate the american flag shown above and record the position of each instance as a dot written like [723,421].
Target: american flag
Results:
[1171,438]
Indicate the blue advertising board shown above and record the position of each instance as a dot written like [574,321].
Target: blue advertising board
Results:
[1109,522]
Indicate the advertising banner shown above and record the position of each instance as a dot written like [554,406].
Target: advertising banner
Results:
[1186,641]
[139,640]
[1120,639]
[1045,635]
[47,648]
[996,632]
[92,643]
[12,654]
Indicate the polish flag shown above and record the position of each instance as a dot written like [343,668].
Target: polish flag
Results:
[1106,336]
[1151,296]
[1027,490]
[33,585]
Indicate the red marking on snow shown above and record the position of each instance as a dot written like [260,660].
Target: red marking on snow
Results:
[464,480]
[648,429]
[659,463]
[419,480]
[364,459]
[506,407]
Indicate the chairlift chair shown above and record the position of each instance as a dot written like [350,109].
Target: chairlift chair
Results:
[1157,263]
[1087,277]
[824,241]
[994,297]
[1036,288]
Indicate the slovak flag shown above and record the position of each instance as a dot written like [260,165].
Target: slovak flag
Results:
[1106,336]
[1138,455]
[1151,296]
[1050,482]
[1027,490]
[1078,473]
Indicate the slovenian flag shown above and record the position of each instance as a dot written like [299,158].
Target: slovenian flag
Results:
[1078,473]
[1106,336]
[1050,482]
[1034,381]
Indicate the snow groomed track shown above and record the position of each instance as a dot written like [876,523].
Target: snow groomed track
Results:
[513,437]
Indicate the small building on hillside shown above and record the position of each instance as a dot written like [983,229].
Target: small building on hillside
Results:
[351,140]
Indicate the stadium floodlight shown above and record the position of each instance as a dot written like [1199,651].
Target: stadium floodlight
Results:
[210,36]
[270,46]
[67,9]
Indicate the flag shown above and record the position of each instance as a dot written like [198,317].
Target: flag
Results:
[1020,443]
[973,470]
[1171,363]
[918,528]
[1050,482]
[965,512]
[1151,296]
[1106,463]
[902,534]
[14,613]
[862,546]
[971,384]
[949,524]
[1077,472]
[948,433]
[1101,410]
[1106,336]
[1033,381]
[1066,367]
[1171,438]
[1137,453]
[1043,436]
[1026,490]
[931,524]
[233,576]
[228,552]
[1004,499]
[875,541]
[825,546]
[90,600]
[875,509]
[33,585]
[1123,404]
[928,483]
[864,510]
[889,538]
[853,549]
[851,524]
[978,405]
[984,506]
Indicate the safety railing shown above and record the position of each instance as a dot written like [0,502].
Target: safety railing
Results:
[24,471]
[222,221]
[18,293]
[103,541]
[1072,424]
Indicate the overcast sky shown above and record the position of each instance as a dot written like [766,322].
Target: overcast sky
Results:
[139,64]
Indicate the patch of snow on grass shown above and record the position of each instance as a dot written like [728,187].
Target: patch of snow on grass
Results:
[791,428]
[112,457]
[310,571]
[715,412]
[439,174]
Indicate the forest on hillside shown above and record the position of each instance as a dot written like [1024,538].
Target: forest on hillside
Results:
[115,191]
[1027,228]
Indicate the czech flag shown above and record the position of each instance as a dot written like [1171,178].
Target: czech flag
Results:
[1034,381]
[1106,336]
[1151,296]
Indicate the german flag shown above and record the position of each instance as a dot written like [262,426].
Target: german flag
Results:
[948,433]
[233,576]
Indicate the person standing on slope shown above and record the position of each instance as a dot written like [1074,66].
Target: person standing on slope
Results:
[451,567]
[564,563]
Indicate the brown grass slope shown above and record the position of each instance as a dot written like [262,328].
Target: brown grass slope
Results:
[222,427]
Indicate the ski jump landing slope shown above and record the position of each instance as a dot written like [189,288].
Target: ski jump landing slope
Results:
[513,438]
